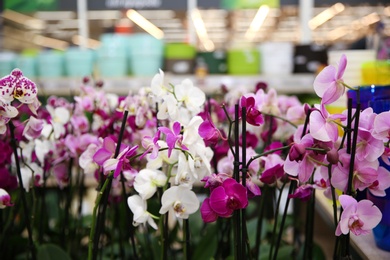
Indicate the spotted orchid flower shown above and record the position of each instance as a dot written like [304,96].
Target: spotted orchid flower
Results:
[16,86]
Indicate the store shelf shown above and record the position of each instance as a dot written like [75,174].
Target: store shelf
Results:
[284,84]
[364,245]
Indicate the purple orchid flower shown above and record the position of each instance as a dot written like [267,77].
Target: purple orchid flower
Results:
[173,137]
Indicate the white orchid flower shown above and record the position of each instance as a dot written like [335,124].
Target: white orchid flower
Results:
[139,208]
[181,200]
[193,97]
[147,181]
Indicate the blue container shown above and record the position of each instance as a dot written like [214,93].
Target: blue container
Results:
[28,65]
[382,231]
[7,63]
[79,62]
[50,64]
[145,54]
[369,93]
[112,56]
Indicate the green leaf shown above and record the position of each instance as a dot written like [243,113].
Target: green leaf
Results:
[51,251]
[208,245]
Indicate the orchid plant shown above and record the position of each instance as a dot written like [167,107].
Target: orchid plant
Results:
[168,154]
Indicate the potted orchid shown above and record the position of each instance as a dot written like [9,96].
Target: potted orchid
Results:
[175,174]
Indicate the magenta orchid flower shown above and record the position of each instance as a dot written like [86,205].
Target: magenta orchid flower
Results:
[253,116]
[228,197]
[215,180]
[209,132]
[357,217]
[303,192]
[33,128]
[173,137]
[328,84]
[273,168]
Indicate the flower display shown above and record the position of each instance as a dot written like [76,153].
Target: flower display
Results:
[160,158]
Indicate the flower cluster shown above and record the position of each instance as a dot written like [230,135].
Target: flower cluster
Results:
[153,148]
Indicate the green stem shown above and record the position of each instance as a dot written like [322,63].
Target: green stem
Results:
[22,191]
[187,241]
[94,215]
[290,191]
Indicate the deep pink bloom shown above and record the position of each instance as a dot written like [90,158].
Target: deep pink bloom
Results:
[209,132]
[358,217]
[106,152]
[173,137]
[303,192]
[328,84]
[253,115]
[122,162]
[273,168]
[207,213]
[228,197]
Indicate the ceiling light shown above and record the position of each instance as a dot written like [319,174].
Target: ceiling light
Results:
[201,31]
[257,22]
[145,24]
[326,15]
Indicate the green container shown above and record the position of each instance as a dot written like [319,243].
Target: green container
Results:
[243,61]
[179,51]
[215,61]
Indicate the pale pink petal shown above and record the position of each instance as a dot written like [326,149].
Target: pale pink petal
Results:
[369,214]
[342,66]
[324,79]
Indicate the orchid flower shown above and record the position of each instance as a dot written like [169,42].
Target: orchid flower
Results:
[181,200]
[357,217]
[147,181]
[323,126]
[151,145]
[228,197]
[17,86]
[5,199]
[33,128]
[192,97]
[254,116]
[382,126]
[173,137]
[329,84]
[140,214]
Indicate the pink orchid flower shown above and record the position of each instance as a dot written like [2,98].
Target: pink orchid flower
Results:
[33,128]
[273,168]
[151,145]
[368,148]
[303,165]
[173,137]
[104,156]
[5,199]
[382,126]
[357,217]
[365,172]
[224,200]
[322,125]
[328,84]
[382,182]
[17,86]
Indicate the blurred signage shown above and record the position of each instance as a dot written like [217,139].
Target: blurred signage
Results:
[248,4]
